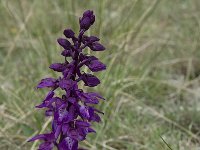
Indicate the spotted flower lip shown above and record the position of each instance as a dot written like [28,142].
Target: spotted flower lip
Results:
[74,111]
[68,144]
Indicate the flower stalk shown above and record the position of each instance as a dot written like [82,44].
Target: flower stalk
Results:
[73,112]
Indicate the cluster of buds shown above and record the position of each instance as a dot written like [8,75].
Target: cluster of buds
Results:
[73,112]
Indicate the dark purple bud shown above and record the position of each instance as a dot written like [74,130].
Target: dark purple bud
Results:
[59,67]
[97,47]
[89,40]
[93,39]
[85,23]
[69,33]
[64,43]
[89,13]
[47,82]
[96,65]
[84,39]
[87,20]
[90,80]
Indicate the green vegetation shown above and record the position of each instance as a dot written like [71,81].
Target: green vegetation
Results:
[152,83]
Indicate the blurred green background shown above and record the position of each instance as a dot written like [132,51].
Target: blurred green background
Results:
[152,84]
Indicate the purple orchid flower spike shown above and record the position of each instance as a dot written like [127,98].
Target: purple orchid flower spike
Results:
[73,112]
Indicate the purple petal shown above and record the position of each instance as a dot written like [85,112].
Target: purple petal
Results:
[84,112]
[60,114]
[52,100]
[91,130]
[47,82]
[88,98]
[46,146]
[82,124]
[57,67]
[65,128]
[37,137]
[95,118]
[71,115]
[49,95]
[58,131]
[96,95]
[74,134]
[66,84]
[46,100]
[68,144]
[46,137]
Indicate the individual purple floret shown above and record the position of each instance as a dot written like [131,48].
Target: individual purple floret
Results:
[73,112]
